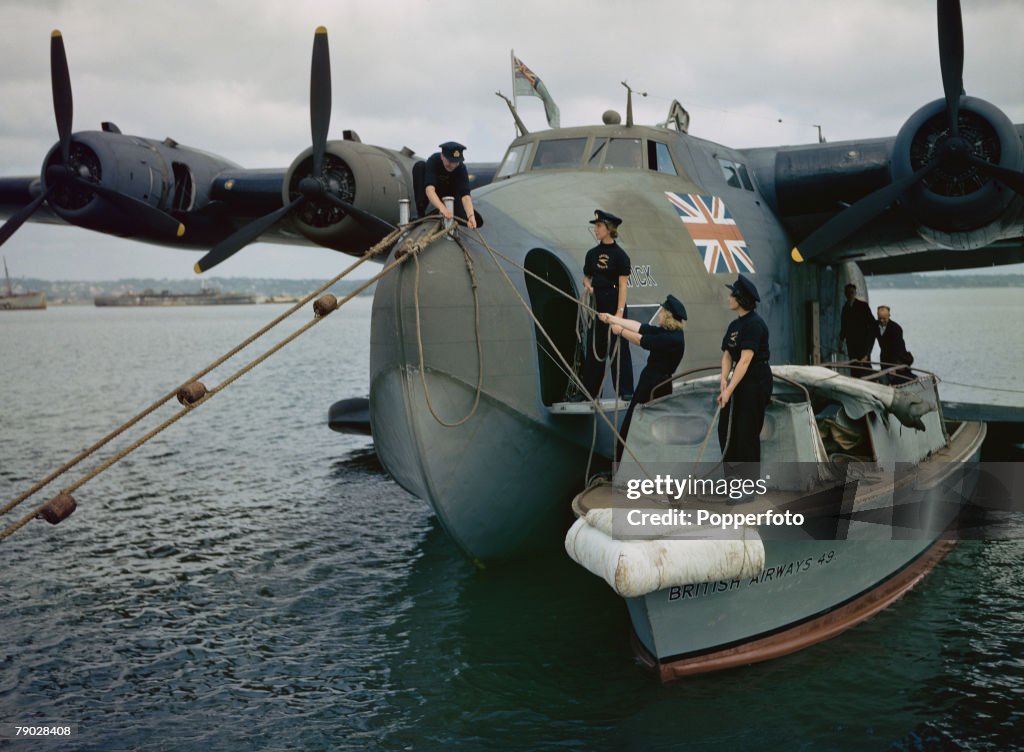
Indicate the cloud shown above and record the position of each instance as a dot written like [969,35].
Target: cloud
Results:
[232,77]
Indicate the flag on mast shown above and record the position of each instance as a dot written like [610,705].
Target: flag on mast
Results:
[528,83]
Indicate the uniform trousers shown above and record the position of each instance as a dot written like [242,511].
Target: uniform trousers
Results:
[746,411]
[598,340]
[645,392]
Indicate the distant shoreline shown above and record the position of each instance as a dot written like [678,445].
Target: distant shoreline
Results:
[84,292]
[934,281]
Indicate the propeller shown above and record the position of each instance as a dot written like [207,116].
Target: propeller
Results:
[951,59]
[952,152]
[313,187]
[18,218]
[67,171]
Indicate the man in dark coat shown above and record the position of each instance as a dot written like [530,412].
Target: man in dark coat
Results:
[858,330]
[890,341]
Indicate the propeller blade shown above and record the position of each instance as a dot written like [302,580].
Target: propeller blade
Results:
[235,242]
[845,222]
[18,219]
[1012,178]
[320,98]
[370,221]
[160,222]
[63,106]
[951,58]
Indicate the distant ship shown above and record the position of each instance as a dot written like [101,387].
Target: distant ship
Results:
[206,296]
[20,301]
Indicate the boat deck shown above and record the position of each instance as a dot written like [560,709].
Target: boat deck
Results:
[875,485]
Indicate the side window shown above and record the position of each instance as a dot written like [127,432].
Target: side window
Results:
[745,177]
[732,177]
[736,174]
[659,158]
[514,161]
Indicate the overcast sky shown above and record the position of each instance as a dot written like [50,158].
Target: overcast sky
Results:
[232,77]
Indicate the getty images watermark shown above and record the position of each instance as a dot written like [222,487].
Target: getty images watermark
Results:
[821,501]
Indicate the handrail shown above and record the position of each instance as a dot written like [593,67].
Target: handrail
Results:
[888,369]
[690,371]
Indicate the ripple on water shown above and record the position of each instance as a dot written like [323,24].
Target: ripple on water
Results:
[252,581]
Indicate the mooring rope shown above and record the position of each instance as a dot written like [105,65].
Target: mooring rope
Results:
[325,306]
[983,388]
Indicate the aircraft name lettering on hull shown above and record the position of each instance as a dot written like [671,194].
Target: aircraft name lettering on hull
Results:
[642,276]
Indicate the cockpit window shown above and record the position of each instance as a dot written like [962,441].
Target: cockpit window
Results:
[514,161]
[624,153]
[598,153]
[559,152]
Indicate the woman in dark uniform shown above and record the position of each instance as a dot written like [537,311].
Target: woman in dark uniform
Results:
[445,174]
[744,397]
[606,271]
[667,344]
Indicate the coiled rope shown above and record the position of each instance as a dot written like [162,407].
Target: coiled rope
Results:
[476,328]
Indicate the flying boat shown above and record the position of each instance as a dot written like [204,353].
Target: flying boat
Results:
[473,344]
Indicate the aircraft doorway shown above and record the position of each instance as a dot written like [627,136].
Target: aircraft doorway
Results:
[557,314]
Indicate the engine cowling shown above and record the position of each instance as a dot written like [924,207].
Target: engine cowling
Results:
[956,205]
[368,177]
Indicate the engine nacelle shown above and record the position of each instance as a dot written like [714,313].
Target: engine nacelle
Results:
[958,206]
[368,177]
[123,163]
[164,174]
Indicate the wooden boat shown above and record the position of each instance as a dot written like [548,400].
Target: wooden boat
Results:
[32,300]
[858,496]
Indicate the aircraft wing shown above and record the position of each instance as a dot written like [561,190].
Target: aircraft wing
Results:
[17,193]
[340,194]
[935,225]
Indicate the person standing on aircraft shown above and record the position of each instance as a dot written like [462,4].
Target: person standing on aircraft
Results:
[859,330]
[743,397]
[445,174]
[890,341]
[667,343]
[606,272]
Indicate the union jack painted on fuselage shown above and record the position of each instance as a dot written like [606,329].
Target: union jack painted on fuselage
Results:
[714,232]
